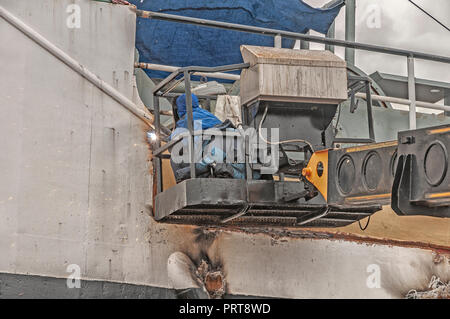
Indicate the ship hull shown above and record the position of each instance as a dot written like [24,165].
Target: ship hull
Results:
[76,189]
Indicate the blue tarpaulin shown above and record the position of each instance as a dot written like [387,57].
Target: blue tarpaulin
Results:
[178,44]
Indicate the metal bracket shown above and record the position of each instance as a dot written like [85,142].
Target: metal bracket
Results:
[356,84]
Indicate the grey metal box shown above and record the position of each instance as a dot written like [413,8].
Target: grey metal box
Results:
[286,75]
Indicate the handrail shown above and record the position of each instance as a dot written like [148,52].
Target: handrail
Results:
[168,68]
[194,69]
[390,99]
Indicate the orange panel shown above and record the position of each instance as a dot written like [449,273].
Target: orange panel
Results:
[311,172]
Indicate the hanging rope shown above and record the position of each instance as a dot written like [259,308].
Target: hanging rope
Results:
[438,290]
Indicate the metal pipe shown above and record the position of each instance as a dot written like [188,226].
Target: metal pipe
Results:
[332,30]
[331,34]
[412,94]
[156,160]
[167,68]
[331,4]
[350,12]
[190,121]
[166,146]
[447,101]
[162,112]
[200,96]
[223,68]
[289,35]
[304,45]
[76,66]
[173,86]
[351,140]
[390,99]
[369,112]
[165,81]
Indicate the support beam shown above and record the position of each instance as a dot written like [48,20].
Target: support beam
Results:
[190,121]
[277,41]
[369,112]
[156,160]
[332,30]
[397,100]
[304,45]
[447,101]
[168,68]
[350,12]
[411,94]
[331,34]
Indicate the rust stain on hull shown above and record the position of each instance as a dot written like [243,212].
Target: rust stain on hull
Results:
[444,250]
[322,235]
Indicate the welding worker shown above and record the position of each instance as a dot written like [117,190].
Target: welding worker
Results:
[199,114]
[213,159]
[203,120]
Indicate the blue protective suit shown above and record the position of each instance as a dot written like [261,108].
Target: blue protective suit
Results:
[207,119]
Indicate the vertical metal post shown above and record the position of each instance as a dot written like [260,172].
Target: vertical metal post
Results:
[277,41]
[248,169]
[208,104]
[190,121]
[369,112]
[411,94]
[332,30]
[331,34]
[350,12]
[447,101]
[174,109]
[304,45]
[156,159]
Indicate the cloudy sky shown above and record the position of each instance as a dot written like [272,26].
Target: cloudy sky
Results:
[401,25]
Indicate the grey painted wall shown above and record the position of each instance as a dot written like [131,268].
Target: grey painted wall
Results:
[74,164]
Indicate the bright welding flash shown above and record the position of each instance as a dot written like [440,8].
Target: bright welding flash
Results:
[152,136]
